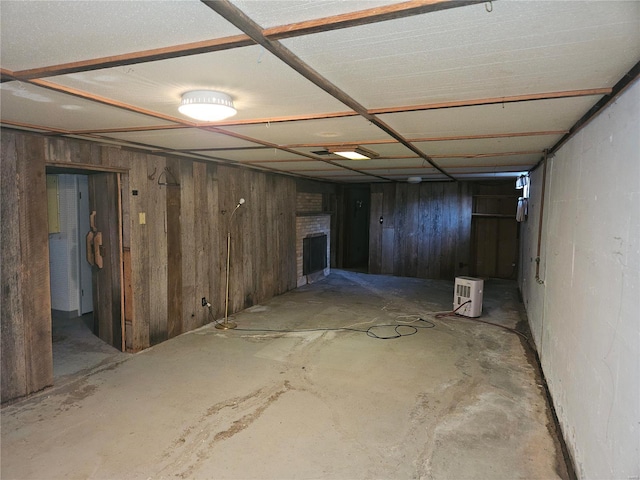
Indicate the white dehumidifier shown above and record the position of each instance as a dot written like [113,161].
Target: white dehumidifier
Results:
[468,292]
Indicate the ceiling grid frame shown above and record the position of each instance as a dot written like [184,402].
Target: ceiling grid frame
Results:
[383,118]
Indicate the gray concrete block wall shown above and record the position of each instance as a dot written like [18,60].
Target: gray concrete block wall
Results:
[585,318]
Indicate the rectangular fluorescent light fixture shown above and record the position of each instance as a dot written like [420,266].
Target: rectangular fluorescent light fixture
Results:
[353,153]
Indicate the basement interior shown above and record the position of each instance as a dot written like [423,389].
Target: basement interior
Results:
[294,239]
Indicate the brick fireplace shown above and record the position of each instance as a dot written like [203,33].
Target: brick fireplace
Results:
[311,224]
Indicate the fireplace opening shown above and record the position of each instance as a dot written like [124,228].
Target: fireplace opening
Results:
[314,254]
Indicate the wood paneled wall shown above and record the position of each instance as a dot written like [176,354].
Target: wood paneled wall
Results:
[27,362]
[171,261]
[494,230]
[425,229]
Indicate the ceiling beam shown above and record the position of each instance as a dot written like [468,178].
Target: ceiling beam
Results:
[235,16]
[407,157]
[489,155]
[424,170]
[7,75]
[39,128]
[489,135]
[133,58]
[107,101]
[493,101]
[428,106]
[330,144]
[325,116]
[431,139]
[364,17]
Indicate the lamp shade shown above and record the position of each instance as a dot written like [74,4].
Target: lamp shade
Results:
[207,105]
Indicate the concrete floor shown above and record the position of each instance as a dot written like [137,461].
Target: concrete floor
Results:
[456,401]
[76,350]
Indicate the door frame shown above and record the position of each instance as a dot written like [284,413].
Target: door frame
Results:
[85,169]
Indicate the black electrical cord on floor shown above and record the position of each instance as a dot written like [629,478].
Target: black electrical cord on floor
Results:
[369,331]
[454,314]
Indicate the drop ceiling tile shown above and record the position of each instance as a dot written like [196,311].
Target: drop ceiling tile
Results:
[402,172]
[310,166]
[459,172]
[489,145]
[30,104]
[282,12]
[262,155]
[511,160]
[333,130]
[468,53]
[260,85]
[533,116]
[344,176]
[390,164]
[182,139]
[70,31]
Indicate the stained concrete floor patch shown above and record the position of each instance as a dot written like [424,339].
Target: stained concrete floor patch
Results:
[459,400]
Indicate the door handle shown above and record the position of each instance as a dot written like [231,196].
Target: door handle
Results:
[98,249]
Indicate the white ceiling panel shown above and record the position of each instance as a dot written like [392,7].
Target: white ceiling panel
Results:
[531,159]
[26,103]
[308,166]
[468,52]
[489,145]
[499,168]
[535,116]
[260,155]
[342,175]
[381,163]
[403,172]
[338,130]
[364,179]
[260,85]
[182,139]
[283,12]
[70,31]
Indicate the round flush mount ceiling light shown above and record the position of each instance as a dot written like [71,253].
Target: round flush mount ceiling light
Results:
[414,179]
[207,105]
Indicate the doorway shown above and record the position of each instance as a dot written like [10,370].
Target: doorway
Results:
[82,328]
[356,228]
[70,274]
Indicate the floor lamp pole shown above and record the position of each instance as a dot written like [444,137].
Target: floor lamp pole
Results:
[227,325]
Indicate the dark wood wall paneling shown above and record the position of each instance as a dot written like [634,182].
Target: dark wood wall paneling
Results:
[494,238]
[171,261]
[425,229]
[27,364]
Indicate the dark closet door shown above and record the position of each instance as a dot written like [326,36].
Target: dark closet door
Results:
[104,200]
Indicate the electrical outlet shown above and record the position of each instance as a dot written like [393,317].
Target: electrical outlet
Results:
[204,301]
